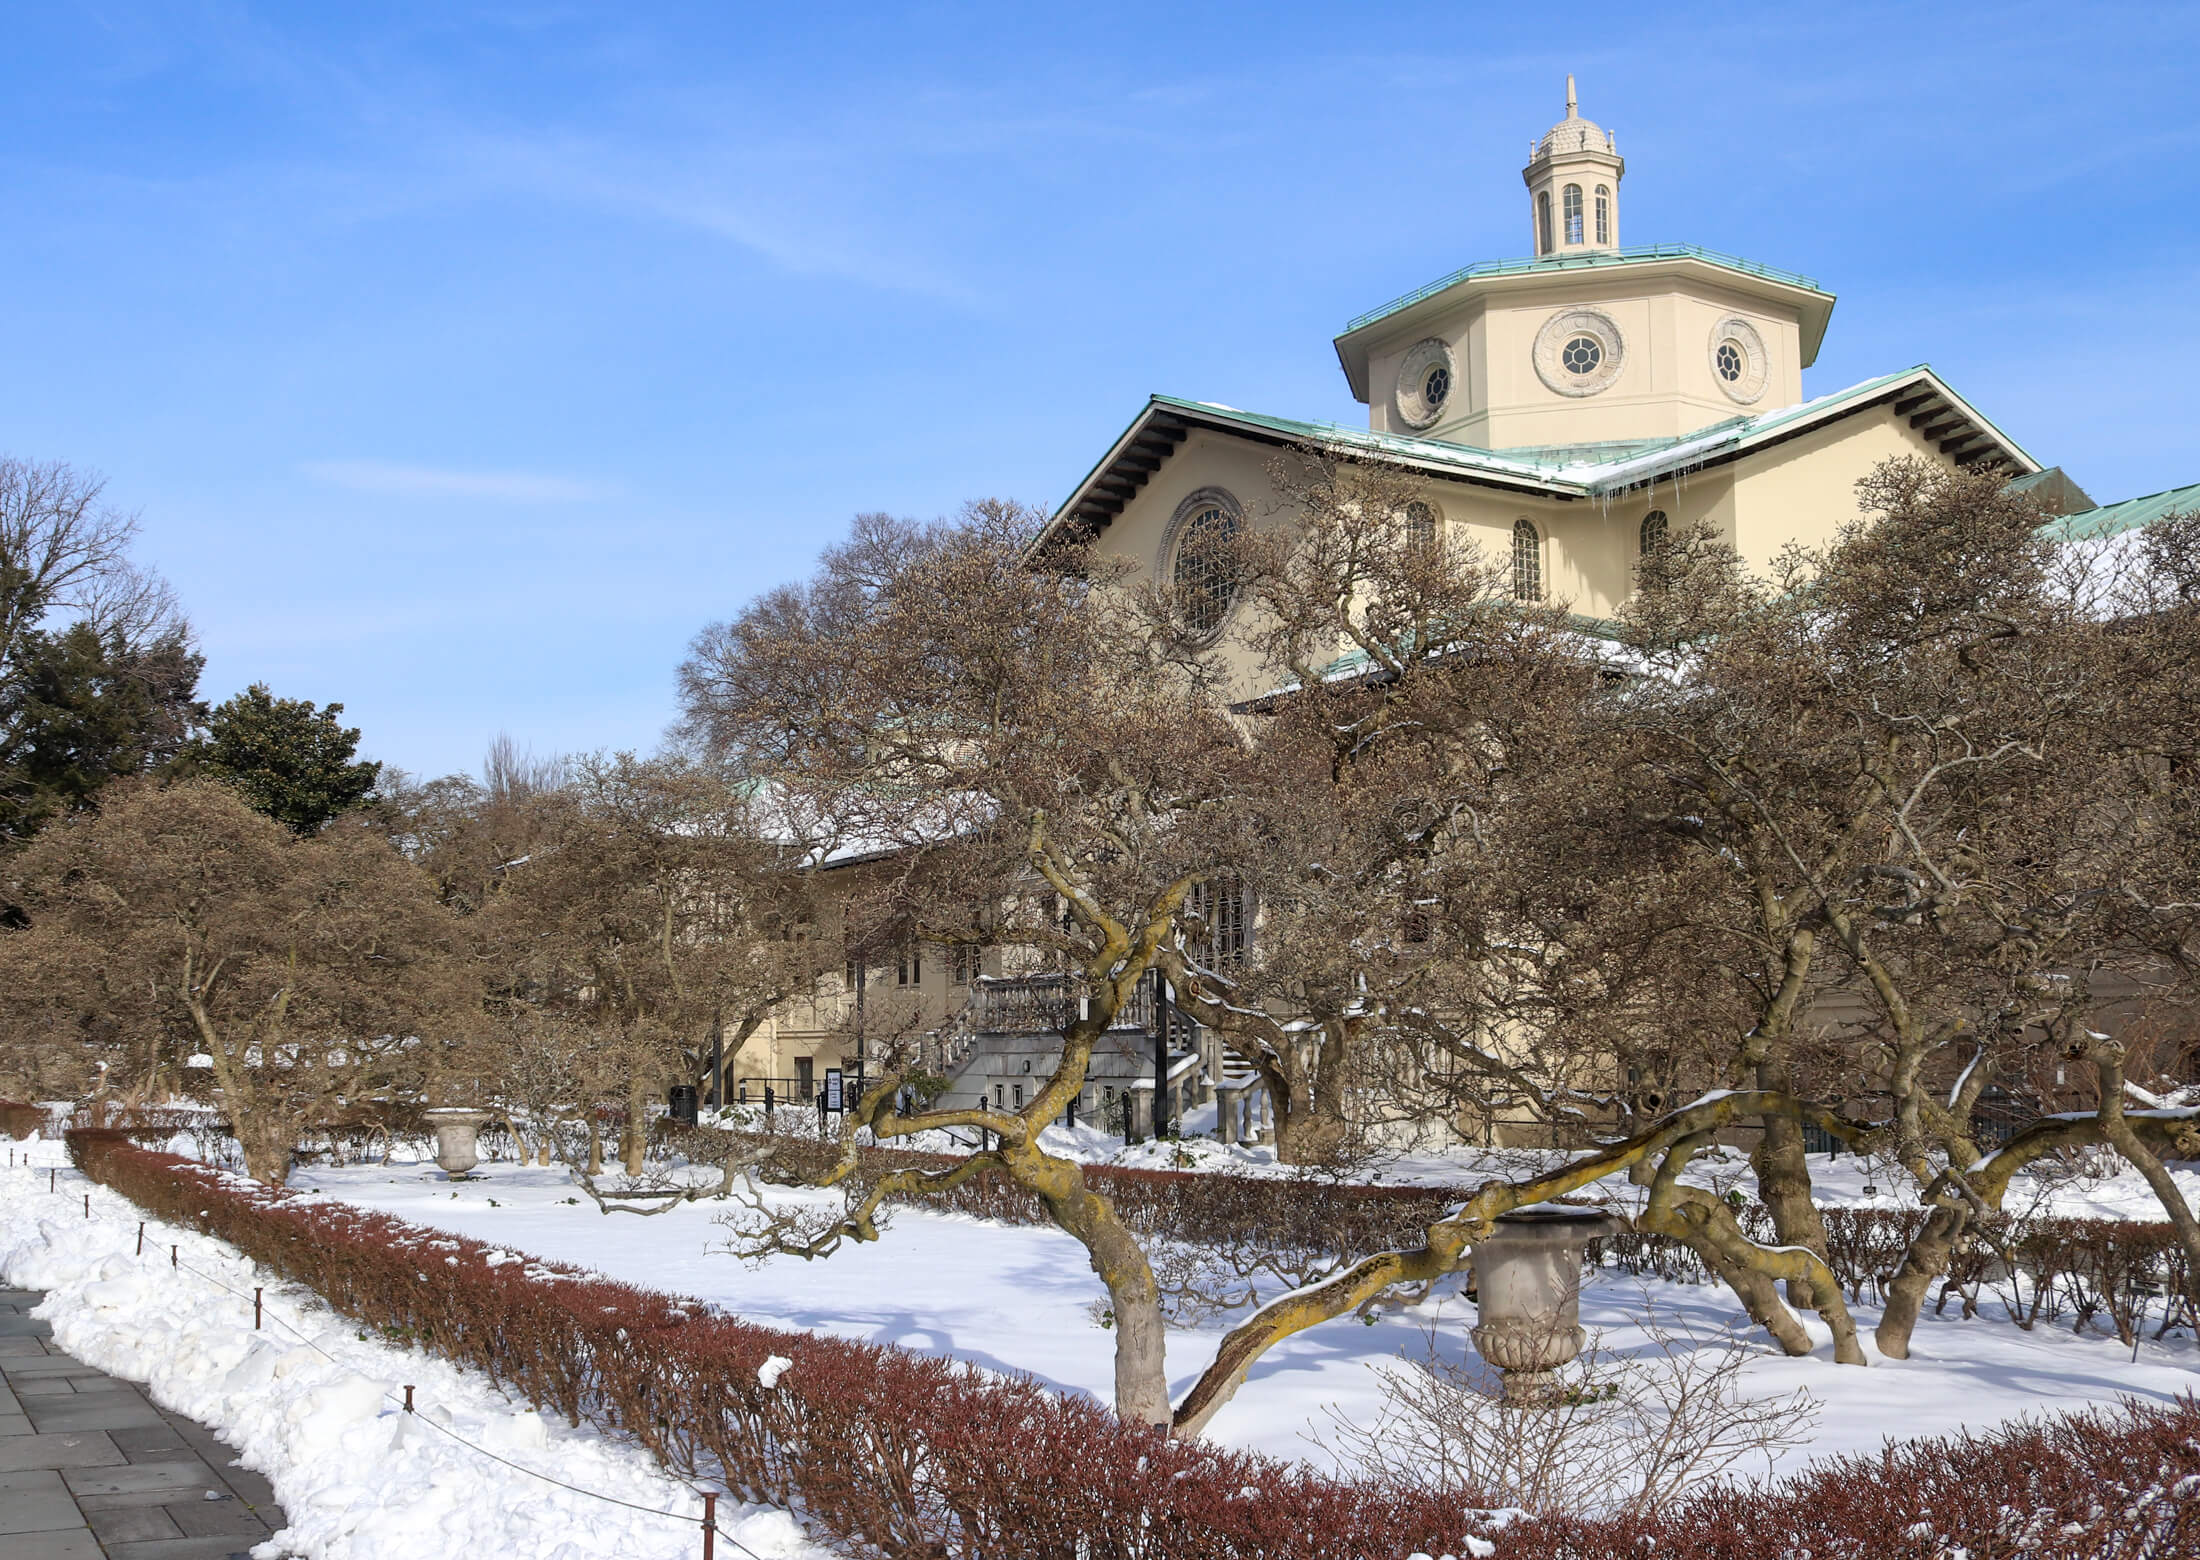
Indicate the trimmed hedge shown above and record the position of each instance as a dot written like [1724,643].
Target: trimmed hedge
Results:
[2041,1269]
[20,1121]
[915,1458]
[898,1454]
[1302,1213]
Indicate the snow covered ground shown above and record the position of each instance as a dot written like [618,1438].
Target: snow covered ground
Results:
[1023,1299]
[317,1406]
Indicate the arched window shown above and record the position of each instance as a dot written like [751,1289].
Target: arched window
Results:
[1527,561]
[1420,525]
[1543,223]
[1205,571]
[1604,215]
[1572,200]
[1653,531]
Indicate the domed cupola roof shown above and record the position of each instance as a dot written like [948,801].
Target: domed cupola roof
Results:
[1573,133]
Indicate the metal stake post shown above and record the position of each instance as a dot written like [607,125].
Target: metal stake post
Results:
[710,1524]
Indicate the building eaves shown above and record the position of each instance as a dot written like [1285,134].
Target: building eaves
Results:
[1561,472]
[1635,254]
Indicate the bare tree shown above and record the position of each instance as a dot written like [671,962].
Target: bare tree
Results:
[654,909]
[63,551]
[312,975]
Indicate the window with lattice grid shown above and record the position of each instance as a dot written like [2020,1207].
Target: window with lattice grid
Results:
[1572,201]
[1653,531]
[1527,561]
[1604,215]
[1420,525]
[1206,568]
[1222,905]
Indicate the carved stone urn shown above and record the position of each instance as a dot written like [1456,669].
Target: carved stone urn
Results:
[1528,1277]
[456,1151]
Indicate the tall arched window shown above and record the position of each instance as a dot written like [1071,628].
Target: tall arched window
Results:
[1543,223]
[1205,571]
[1527,561]
[1420,525]
[1572,200]
[1653,531]
[1604,215]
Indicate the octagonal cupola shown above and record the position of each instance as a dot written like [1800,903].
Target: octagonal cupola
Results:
[1573,176]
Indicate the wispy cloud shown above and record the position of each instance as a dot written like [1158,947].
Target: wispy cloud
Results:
[401,481]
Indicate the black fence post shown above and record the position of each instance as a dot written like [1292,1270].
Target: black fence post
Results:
[1160,1057]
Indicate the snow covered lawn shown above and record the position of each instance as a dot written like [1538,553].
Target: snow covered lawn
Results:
[1023,1299]
[318,1407]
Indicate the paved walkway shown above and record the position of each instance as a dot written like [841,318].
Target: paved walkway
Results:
[90,1467]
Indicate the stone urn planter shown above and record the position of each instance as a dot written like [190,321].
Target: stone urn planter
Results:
[1528,1277]
[456,1151]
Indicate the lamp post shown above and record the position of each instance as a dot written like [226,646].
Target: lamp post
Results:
[1528,1278]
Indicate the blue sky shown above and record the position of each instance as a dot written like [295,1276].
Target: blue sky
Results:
[463,361]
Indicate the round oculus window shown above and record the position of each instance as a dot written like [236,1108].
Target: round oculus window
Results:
[1579,352]
[1426,375]
[1738,360]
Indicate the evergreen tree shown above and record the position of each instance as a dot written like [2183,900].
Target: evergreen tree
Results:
[86,707]
[289,760]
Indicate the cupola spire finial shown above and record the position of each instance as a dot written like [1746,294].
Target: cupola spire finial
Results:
[1573,176]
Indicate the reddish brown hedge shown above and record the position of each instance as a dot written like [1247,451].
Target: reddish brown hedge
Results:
[918,1458]
[20,1121]
[898,1453]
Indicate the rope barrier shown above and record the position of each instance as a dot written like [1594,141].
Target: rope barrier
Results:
[709,1498]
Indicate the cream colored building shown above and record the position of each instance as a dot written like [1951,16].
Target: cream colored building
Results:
[1562,409]
[1566,407]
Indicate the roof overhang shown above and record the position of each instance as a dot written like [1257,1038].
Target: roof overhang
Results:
[1813,306]
[1142,449]
[1934,412]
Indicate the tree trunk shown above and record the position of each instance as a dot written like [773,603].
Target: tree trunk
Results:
[1141,1367]
[634,1140]
[1925,1261]
[1141,1337]
[2116,1127]
[1783,1182]
[267,1144]
[1309,1130]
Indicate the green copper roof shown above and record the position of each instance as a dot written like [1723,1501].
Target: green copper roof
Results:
[1586,260]
[1587,469]
[2113,519]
